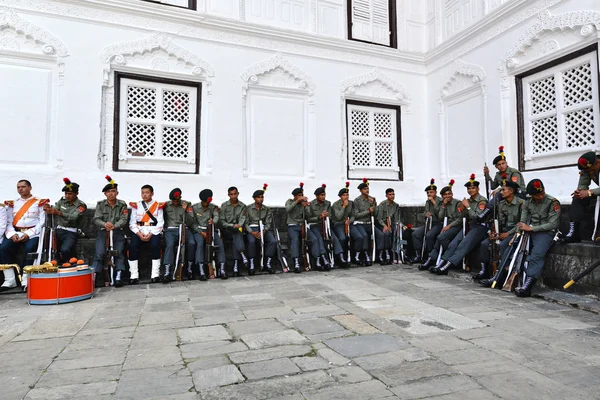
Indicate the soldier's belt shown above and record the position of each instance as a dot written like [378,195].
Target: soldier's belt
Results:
[293,224]
[254,226]
[146,224]
[19,229]
[361,223]
[172,227]
[66,228]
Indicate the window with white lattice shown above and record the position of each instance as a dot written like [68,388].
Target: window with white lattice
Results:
[374,144]
[372,21]
[191,4]
[560,112]
[157,125]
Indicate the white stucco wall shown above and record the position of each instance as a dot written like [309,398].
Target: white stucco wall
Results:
[66,104]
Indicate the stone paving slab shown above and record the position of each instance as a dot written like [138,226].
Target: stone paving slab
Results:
[379,332]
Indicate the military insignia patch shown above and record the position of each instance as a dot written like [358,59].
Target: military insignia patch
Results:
[482,205]
[459,209]
[133,204]
[556,205]
[81,208]
[514,179]
[125,212]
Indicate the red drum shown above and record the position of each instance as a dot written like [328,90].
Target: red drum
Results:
[66,286]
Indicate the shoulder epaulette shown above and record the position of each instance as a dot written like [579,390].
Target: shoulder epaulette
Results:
[133,204]
[121,202]
[43,202]
[161,205]
[9,203]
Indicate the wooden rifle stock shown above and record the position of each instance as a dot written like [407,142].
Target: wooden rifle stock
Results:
[210,242]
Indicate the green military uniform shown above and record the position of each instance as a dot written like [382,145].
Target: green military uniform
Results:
[361,227]
[118,215]
[313,212]
[476,207]
[71,213]
[454,212]
[339,213]
[253,217]
[512,174]
[383,211]
[313,216]
[295,212]
[234,215]
[174,216]
[433,209]
[200,217]
[434,230]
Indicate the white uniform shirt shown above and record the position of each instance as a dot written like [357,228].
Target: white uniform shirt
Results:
[138,213]
[33,219]
[3,221]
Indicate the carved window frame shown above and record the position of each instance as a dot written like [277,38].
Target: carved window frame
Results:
[393,25]
[192,4]
[119,76]
[397,140]
[523,136]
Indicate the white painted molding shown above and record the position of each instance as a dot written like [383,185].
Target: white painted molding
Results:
[350,86]
[117,53]
[586,21]
[475,72]
[252,75]
[51,46]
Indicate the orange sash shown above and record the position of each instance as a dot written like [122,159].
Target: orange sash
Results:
[23,210]
[151,210]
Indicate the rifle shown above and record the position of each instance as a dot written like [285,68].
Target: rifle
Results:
[581,275]
[514,242]
[180,257]
[347,232]
[305,252]
[39,254]
[428,223]
[373,236]
[261,228]
[517,264]
[400,243]
[210,246]
[326,233]
[494,247]
[487,186]
[441,248]
[52,250]
[109,262]
[282,260]
[465,230]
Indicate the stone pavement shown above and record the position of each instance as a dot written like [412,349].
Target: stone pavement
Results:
[365,333]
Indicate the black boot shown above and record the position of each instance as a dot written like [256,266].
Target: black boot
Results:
[573,235]
[499,278]
[482,274]
[525,290]
[190,271]
[236,271]
[443,270]
[223,271]
[251,268]
[326,264]
[427,264]
[381,258]
[268,267]
[202,276]
[415,260]
[433,269]
[118,281]
[368,261]
[297,268]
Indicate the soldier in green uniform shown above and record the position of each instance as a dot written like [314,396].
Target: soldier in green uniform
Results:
[205,214]
[450,210]
[431,212]
[462,244]
[177,212]
[257,213]
[388,214]
[68,211]
[363,209]
[232,219]
[342,218]
[509,215]
[540,216]
[503,169]
[589,167]
[316,213]
[111,215]
[295,214]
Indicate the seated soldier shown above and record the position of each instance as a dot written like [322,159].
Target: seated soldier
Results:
[316,212]
[295,215]
[589,167]
[540,216]
[508,212]
[341,218]
[503,169]
[146,224]
[462,244]
[362,228]
[232,218]
[257,213]
[69,212]
[176,213]
[205,217]
[388,215]
[25,221]
[450,212]
[110,215]
[432,205]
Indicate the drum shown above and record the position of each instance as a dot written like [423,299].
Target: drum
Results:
[65,286]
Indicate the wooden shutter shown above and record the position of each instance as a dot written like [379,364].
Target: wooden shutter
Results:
[371,21]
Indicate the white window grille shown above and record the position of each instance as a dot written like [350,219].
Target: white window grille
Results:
[373,138]
[560,111]
[371,21]
[157,126]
